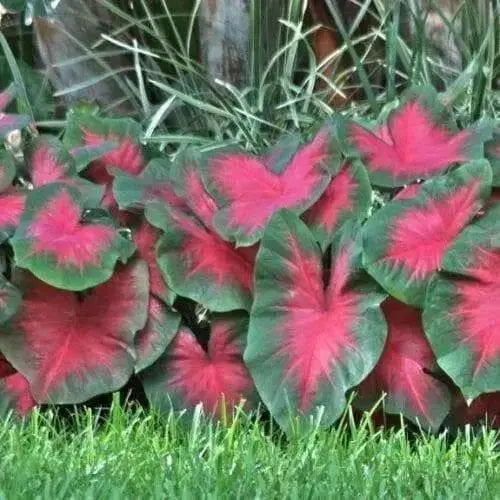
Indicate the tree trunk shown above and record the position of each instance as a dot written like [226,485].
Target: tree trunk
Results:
[77,25]
[224,32]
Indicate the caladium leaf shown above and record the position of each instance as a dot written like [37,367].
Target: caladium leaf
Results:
[11,209]
[7,170]
[84,129]
[196,262]
[145,238]
[72,348]
[56,245]
[10,299]
[493,155]
[152,184]
[10,122]
[416,142]
[187,375]
[405,241]
[402,373]
[347,198]
[160,329]
[249,190]
[93,132]
[48,161]
[15,396]
[461,316]
[308,344]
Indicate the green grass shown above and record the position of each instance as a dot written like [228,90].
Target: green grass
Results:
[134,454]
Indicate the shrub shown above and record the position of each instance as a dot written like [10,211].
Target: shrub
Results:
[361,261]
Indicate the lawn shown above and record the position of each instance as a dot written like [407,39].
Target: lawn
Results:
[134,454]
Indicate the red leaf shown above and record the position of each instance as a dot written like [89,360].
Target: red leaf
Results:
[308,342]
[127,156]
[401,371]
[406,240]
[411,145]
[310,347]
[461,310]
[249,192]
[72,349]
[45,167]
[58,231]
[205,252]
[347,197]
[188,375]
[422,235]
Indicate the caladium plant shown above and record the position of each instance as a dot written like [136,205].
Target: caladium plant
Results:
[359,262]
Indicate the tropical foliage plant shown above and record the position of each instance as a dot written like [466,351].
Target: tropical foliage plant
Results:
[358,263]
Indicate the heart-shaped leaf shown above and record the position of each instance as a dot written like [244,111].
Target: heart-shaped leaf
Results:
[404,243]
[249,190]
[72,348]
[347,198]
[187,375]
[402,373]
[91,131]
[461,310]
[309,343]
[417,141]
[48,161]
[56,245]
